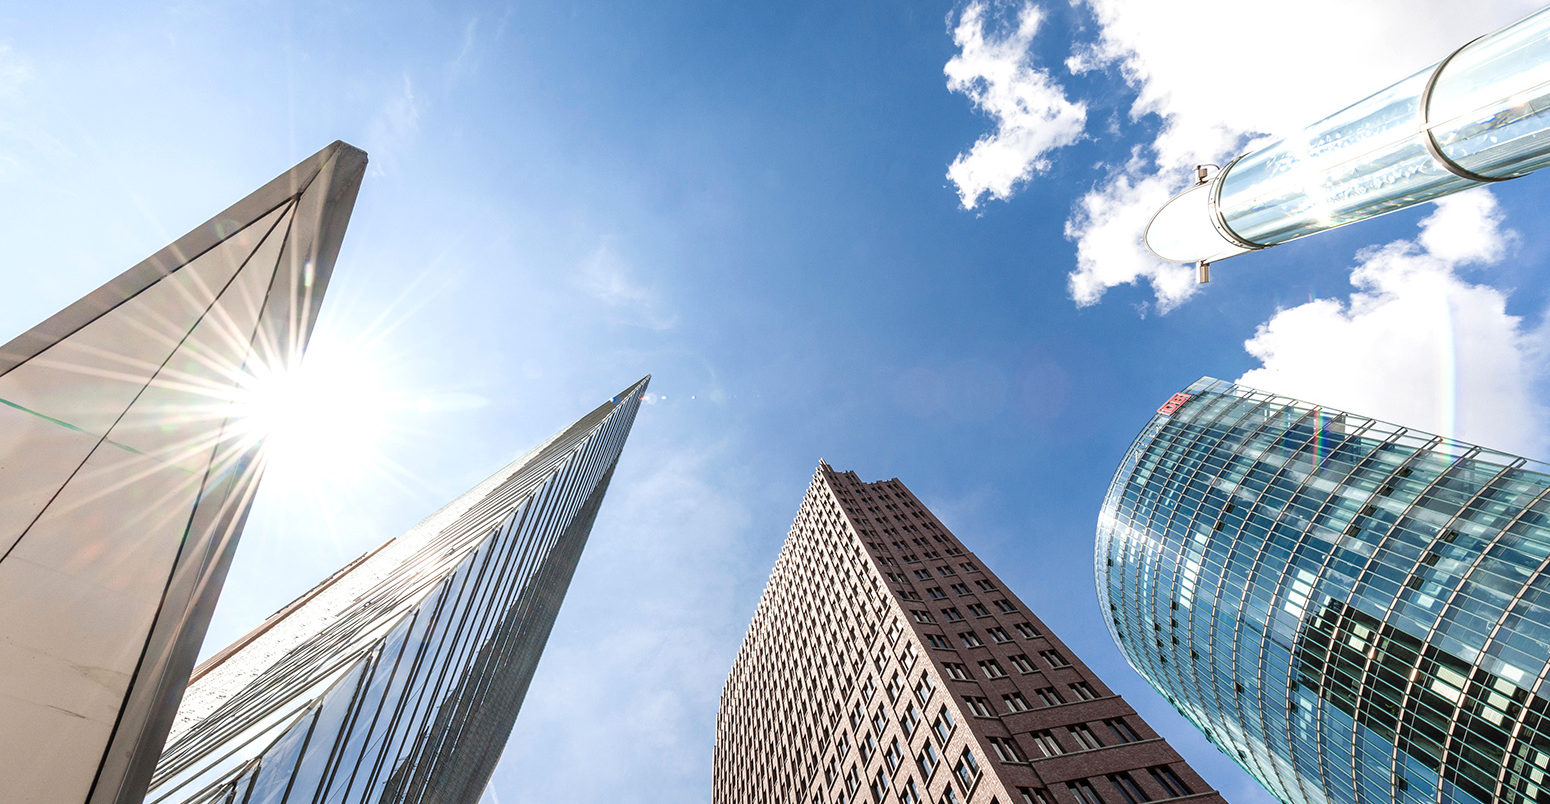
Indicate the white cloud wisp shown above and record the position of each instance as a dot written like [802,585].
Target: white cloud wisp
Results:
[1032,114]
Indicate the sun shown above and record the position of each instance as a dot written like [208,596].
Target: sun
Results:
[321,421]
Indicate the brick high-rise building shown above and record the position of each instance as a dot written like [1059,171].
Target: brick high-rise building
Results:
[886,664]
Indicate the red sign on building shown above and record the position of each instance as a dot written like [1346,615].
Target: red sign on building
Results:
[1174,403]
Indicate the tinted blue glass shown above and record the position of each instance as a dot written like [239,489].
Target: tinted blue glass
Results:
[1253,546]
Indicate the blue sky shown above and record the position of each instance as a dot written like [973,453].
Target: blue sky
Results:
[754,205]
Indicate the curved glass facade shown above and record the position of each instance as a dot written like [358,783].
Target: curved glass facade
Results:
[1355,611]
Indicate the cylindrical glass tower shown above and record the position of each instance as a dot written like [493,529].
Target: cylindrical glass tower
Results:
[1354,611]
[1480,115]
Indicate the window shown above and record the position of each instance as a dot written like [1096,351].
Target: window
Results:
[943,725]
[1084,691]
[1049,696]
[952,614]
[869,688]
[909,795]
[832,772]
[967,770]
[895,686]
[894,630]
[1026,631]
[998,633]
[1054,658]
[907,656]
[956,671]
[1122,730]
[1005,748]
[1084,736]
[1084,792]
[921,616]
[893,756]
[868,747]
[852,780]
[1035,795]
[1128,789]
[1047,743]
[978,610]
[948,796]
[1015,702]
[1020,661]
[911,720]
[992,669]
[1169,781]
[1004,606]
[945,571]
[923,575]
[969,567]
[936,593]
[857,715]
[961,589]
[938,641]
[924,689]
[978,706]
[984,585]
[928,759]
[970,639]
[843,745]
[880,720]
[880,784]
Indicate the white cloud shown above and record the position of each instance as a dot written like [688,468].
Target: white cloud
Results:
[1104,224]
[1221,73]
[1031,111]
[608,278]
[1417,344]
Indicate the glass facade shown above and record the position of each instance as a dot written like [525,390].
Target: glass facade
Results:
[1355,611]
[399,678]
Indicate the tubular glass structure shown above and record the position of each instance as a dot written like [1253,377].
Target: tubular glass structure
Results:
[1355,611]
[1480,115]
[399,678]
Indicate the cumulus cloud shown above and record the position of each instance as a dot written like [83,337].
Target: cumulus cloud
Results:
[1032,114]
[1222,74]
[1416,343]
[1104,226]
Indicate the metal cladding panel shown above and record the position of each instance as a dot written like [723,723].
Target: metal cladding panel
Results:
[127,482]
[1353,610]
[399,678]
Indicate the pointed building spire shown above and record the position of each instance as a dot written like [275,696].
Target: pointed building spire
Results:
[126,478]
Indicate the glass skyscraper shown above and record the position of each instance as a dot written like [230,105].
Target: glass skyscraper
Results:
[1354,610]
[399,677]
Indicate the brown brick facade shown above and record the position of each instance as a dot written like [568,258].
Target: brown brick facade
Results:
[886,665]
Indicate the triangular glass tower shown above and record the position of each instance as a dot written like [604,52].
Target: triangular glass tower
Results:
[125,478]
[399,677]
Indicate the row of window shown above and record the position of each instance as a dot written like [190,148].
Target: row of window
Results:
[971,639]
[1123,783]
